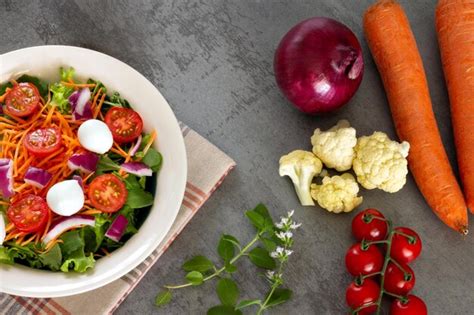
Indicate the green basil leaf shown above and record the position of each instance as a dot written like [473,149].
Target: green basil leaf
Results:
[223,310]
[268,243]
[164,297]
[230,268]
[261,258]
[268,221]
[231,239]
[195,277]
[246,303]
[227,291]
[225,249]
[256,219]
[279,296]
[198,263]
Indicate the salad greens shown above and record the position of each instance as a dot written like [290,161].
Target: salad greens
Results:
[78,249]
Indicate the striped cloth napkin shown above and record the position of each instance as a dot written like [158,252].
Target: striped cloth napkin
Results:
[207,168]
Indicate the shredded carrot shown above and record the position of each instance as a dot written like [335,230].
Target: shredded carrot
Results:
[99,106]
[78,85]
[152,138]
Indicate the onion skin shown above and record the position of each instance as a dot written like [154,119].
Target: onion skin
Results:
[319,65]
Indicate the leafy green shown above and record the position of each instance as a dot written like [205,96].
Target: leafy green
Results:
[52,259]
[129,214]
[98,85]
[153,159]
[67,73]
[72,248]
[60,97]
[117,100]
[227,291]
[139,198]
[106,164]
[7,256]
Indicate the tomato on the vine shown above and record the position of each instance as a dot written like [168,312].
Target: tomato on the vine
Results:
[366,293]
[369,225]
[406,247]
[398,281]
[363,261]
[413,306]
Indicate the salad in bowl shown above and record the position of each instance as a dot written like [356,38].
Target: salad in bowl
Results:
[152,203]
[77,172]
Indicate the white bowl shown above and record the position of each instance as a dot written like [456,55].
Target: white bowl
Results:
[44,61]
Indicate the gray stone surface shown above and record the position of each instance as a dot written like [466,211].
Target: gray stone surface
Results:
[212,60]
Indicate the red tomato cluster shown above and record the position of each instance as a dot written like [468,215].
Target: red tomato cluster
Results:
[380,259]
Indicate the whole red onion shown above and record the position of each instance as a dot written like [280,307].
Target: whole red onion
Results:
[318,65]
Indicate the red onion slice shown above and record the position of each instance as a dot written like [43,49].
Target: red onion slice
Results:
[80,104]
[3,232]
[85,162]
[117,228]
[6,178]
[136,146]
[63,224]
[137,168]
[37,177]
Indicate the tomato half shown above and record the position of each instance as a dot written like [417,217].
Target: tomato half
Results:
[369,225]
[396,281]
[29,214]
[413,306]
[107,193]
[365,294]
[22,100]
[406,247]
[363,261]
[43,141]
[124,123]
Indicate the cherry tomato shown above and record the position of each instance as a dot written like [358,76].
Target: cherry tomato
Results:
[124,123]
[396,281]
[365,226]
[364,294]
[43,141]
[363,261]
[29,214]
[22,100]
[405,249]
[414,306]
[107,193]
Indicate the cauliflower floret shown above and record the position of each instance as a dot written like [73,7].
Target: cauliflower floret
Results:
[335,147]
[337,194]
[381,163]
[301,166]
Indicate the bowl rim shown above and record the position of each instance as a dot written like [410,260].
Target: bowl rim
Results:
[180,187]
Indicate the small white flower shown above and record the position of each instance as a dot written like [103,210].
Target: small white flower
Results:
[284,220]
[290,213]
[284,236]
[279,225]
[288,252]
[295,225]
[270,274]
[278,252]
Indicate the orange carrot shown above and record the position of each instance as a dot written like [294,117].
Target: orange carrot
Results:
[396,55]
[455,28]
